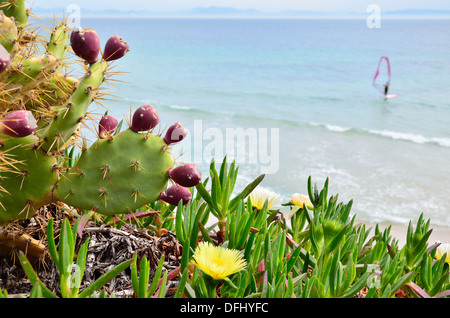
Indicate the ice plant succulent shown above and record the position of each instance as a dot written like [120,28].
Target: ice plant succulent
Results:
[260,195]
[298,200]
[443,248]
[217,263]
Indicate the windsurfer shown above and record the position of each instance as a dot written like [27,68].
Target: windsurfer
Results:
[386,88]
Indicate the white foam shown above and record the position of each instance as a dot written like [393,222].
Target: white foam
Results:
[335,128]
[395,135]
[179,107]
[416,138]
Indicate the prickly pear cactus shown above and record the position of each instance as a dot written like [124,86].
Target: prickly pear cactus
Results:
[41,113]
[118,175]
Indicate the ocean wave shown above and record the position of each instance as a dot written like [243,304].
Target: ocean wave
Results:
[394,135]
[184,108]
[180,107]
[334,128]
[390,134]
[415,138]
[159,104]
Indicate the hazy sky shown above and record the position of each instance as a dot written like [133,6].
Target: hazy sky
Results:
[263,5]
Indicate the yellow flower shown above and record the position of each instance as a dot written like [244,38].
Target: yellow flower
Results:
[260,195]
[441,250]
[297,200]
[218,262]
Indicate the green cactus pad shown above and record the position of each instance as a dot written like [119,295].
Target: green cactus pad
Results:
[25,71]
[74,110]
[15,9]
[30,184]
[117,175]
[8,32]
[57,44]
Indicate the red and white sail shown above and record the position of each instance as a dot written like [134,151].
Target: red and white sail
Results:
[383,74]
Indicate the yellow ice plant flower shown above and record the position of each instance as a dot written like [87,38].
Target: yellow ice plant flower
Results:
[260,195]
[297,200]
[218,262]
[441,250]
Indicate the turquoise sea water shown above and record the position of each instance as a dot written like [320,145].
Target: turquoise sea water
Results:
[309,82]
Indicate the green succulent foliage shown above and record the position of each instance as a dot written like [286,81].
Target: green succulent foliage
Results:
[188,220]
[3,293]
[416,242]
[140,283]
[330,257]
[63,257]
[102,294]
[223,181]
[239,224]
[433,275]
[332,279]
[329,222]
[347,259]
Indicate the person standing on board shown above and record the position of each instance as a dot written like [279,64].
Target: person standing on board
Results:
[386,88]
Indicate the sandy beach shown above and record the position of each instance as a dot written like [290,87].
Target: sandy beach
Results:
[441,234]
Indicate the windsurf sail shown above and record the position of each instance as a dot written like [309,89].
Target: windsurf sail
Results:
[382,75]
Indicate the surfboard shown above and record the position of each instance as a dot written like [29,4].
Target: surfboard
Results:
[390,96]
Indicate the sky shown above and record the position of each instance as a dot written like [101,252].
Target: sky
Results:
[262,5]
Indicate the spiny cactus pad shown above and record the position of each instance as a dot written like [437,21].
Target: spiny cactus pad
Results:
[29,183]
[117,175]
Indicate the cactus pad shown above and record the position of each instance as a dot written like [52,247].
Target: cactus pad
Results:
[118,175]
[28,184]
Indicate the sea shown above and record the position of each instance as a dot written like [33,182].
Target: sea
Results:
[293,98]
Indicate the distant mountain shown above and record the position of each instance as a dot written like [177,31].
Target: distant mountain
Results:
[224,11]
[214,11]
[415,12]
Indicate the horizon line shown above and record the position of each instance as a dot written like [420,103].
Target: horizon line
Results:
[222,12]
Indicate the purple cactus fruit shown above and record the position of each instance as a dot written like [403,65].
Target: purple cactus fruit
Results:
[175,133]
[85,43]
[174,194]
[108,124]
[115,48]
[144,118]
[4,59]
[187,175]
[19,123]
